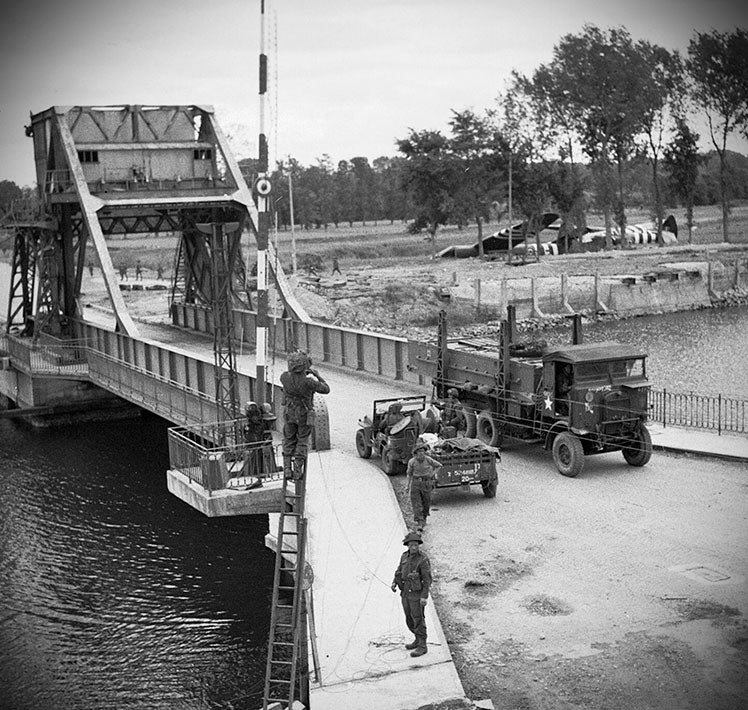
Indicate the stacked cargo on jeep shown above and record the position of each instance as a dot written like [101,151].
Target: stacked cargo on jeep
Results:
[576,400]
[463,464]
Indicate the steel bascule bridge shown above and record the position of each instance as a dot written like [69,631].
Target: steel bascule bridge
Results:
[105,172]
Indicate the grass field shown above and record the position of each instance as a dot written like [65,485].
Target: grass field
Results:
[383,244]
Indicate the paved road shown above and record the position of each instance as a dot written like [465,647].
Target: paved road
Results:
[586,575]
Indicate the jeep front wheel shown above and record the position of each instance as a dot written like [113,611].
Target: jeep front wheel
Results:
[568,454]
[388,462]
[363,447]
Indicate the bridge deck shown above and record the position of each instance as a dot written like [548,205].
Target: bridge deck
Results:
[356,529]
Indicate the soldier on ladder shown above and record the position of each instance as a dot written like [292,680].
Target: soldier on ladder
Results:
[298,408]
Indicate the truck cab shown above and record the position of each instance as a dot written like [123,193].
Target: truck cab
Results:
[596,393]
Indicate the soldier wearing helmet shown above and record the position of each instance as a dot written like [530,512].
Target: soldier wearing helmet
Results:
[258,459]
[452,413]
[413,579]
[421,473]
[393,416]
[300,383]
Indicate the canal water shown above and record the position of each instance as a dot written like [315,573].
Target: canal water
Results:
[703,351]
[114,594]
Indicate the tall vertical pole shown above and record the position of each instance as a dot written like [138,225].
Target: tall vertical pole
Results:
[511,234]
[262,188]
[293,233]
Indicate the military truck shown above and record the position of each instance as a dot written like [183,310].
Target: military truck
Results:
[576,400]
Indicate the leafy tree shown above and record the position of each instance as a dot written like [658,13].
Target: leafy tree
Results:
[718,67]
[479,148]
[429,175]
[345,190]
[682,162]
[363,188]
[548,120]
[9,192]
[660,89]
[597,77]
[530,186]
[393,203]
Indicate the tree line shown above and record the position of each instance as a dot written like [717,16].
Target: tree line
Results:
[606,124]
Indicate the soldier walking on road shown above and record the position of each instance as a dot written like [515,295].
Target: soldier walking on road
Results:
[298,408]
[421,474]
[413,579]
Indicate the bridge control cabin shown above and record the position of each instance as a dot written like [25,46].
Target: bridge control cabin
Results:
[109,170]
[121,150]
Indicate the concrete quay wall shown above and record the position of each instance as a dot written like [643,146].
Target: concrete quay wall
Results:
[674,287]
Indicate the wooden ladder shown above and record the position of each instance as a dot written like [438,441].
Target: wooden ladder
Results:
[287,626]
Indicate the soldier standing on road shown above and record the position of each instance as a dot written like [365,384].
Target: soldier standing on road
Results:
[413,579]
[138,271]
[298,407]
[421,474]
[336,266]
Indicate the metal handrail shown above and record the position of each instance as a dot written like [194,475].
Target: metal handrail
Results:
[213,454]
[697,411]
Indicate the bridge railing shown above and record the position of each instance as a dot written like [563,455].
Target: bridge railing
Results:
[697,411]
[49,356]
[213,454]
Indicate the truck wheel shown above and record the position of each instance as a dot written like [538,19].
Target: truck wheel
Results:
[362,446]
[388,463]
[639,449]
[487,430]
[568,454]
[468,414]
[489,488]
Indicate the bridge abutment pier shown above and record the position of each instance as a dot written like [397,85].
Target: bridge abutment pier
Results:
[47,402]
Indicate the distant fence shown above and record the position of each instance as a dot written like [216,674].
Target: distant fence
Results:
[697,411]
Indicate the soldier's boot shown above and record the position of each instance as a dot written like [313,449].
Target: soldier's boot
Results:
[299,467]
[413,644]
[419,651]
[287,466]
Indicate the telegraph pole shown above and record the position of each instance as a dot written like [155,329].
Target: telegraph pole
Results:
[262,191]
[511,231]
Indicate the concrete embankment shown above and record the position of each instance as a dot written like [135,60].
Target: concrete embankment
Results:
[670,287]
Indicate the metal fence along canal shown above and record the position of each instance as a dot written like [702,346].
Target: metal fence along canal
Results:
[696,411]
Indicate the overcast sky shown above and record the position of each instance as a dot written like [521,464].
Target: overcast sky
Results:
[347,77]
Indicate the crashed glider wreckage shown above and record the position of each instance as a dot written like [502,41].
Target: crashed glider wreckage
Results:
[592,240]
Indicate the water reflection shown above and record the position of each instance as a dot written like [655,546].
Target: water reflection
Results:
[696,351]
[114,593]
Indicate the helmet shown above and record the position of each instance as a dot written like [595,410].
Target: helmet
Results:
[420,446]
[250,408]
[395,407]
[298,361]
[452,391]
[413,537]
[267,412]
